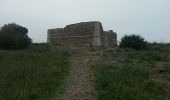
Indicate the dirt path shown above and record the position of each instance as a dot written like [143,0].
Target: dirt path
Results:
[80,83]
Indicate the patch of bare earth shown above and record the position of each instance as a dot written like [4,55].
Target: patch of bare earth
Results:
[80,83]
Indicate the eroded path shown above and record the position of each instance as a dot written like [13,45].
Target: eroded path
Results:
[80,83]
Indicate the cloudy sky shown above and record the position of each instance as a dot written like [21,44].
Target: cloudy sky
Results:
[149,18]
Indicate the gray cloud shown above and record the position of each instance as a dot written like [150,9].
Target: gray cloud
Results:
[150,18]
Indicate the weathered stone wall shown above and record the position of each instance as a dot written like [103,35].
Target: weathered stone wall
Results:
[98,29]
[81,29]
[85,34]
[109,38]
[53,33]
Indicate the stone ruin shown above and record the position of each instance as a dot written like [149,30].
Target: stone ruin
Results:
[84,34]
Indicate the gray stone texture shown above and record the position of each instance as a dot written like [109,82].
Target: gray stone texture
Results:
[84,34]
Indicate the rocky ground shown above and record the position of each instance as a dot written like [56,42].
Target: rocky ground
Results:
[80,84]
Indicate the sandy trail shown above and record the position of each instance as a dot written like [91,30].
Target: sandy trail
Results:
[80,84]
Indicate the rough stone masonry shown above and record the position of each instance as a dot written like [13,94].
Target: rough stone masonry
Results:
[84,34]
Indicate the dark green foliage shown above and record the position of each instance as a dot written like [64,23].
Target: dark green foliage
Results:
[144,76]
[148,56]
[133,41]
[32,75]
[126,82]
[13,36]
[161,47]
[156,52]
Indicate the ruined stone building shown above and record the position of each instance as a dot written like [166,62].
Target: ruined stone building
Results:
[85,34]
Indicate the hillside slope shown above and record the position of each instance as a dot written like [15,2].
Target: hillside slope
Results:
[127,74]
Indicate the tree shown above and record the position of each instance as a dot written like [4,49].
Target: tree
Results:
[133,41]
[13,36]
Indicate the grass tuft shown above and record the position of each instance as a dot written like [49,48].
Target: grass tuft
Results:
[32,74]
[126,83]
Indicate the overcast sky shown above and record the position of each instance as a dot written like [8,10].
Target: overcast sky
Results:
[149,18]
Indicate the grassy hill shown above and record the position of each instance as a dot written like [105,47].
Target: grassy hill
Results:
[134,75]
[32,74]
[121,74]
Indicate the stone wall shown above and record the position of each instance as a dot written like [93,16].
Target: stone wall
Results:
[85,34]
[109,38]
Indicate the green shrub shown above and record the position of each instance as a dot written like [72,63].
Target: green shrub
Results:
[127,82]
[133,41]
[30,75]
[13,36]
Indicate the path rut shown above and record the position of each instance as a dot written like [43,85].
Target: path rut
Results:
[79,84]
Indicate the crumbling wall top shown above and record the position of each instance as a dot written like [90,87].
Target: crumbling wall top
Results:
[82,29]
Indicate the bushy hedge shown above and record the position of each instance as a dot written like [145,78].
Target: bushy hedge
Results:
[133,41]
[13,36]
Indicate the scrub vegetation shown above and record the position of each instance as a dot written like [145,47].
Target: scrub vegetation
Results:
[135,75]
[34,73]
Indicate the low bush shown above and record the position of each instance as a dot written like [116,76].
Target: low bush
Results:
[133,41]
[13,36]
